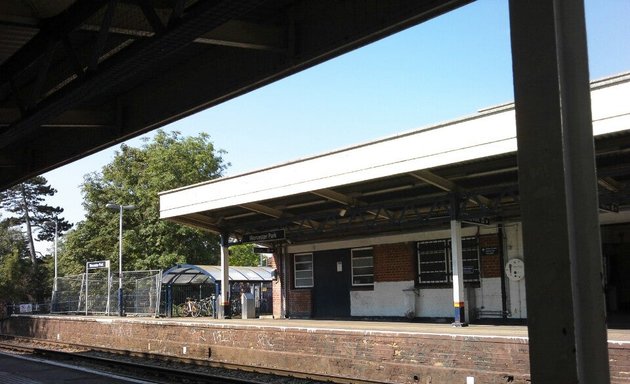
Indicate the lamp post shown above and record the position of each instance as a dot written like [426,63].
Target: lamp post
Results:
[120,208]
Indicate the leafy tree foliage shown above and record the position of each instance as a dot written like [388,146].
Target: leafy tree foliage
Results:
[26,202]
[17,279]
[243,255]
[135,177]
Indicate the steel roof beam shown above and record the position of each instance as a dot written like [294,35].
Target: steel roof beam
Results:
[335,196]
[276,214]
[609,183]
[234,33]
[263,209]
[199,221]
[204,17]
[446,185]
[347,201]
[155,81]
[60,25]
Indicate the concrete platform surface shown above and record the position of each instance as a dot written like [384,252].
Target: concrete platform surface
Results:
[480,330]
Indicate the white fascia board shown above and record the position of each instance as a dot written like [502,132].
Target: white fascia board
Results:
[486,134]
[469,139]
[386,239]
[611,109]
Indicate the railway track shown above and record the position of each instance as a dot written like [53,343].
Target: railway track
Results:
[144,367]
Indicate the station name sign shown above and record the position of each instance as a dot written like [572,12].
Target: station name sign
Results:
[264,236]
[98,264]
[477,221]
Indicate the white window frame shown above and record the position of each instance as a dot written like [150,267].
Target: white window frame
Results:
[295,270]
[352,258]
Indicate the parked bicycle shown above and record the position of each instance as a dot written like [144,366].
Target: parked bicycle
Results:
[206,306]
[235,305]
[188,308]
[194,308]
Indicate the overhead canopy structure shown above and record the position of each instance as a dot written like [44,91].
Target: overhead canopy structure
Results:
[182,274]
[80,75]
[402,182]
[77,76]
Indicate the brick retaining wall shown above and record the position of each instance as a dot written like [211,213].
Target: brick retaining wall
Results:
[381,356]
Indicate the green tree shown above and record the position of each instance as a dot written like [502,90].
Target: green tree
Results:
[27,202]
[16,281]
[243,255]
[135,177]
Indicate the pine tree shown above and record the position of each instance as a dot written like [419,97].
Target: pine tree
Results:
[26,201]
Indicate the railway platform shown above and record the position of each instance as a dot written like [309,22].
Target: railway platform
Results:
[344,351]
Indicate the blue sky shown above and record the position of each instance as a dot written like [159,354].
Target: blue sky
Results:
[441,70]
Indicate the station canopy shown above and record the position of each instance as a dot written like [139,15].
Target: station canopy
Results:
[418,179]
[182,274]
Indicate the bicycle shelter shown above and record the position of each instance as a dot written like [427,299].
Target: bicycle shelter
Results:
[200,281]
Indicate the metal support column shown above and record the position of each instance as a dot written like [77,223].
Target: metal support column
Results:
[459,301]
[565,299]
[169,300]
[225,310]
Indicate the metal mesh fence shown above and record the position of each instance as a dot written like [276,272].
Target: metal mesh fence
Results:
[97,293]
[142,291]
[67,297]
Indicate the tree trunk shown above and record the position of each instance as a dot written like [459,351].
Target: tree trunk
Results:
[29,230]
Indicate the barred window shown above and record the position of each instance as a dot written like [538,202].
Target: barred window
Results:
[435,261]
[362,267]
[470,259]
[303,270]
[433,264]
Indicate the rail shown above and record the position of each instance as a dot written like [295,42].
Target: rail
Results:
[127,367]
[164,369]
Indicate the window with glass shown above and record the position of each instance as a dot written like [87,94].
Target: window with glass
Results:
[303,270]
[362,267]
[435,261]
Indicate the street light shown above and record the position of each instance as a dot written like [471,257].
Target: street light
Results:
[120,208]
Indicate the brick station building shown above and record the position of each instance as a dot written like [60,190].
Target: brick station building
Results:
[424,224]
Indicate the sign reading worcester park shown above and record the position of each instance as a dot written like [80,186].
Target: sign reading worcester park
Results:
[98,264]
[262,237]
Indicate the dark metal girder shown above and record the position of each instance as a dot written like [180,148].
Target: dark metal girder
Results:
[54,144]
[405,215]
[104,117]
[172,92]
[101,37]
[208,16]
[255,69]
[59,26]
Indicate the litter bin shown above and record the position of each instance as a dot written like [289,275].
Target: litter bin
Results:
[248,306]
